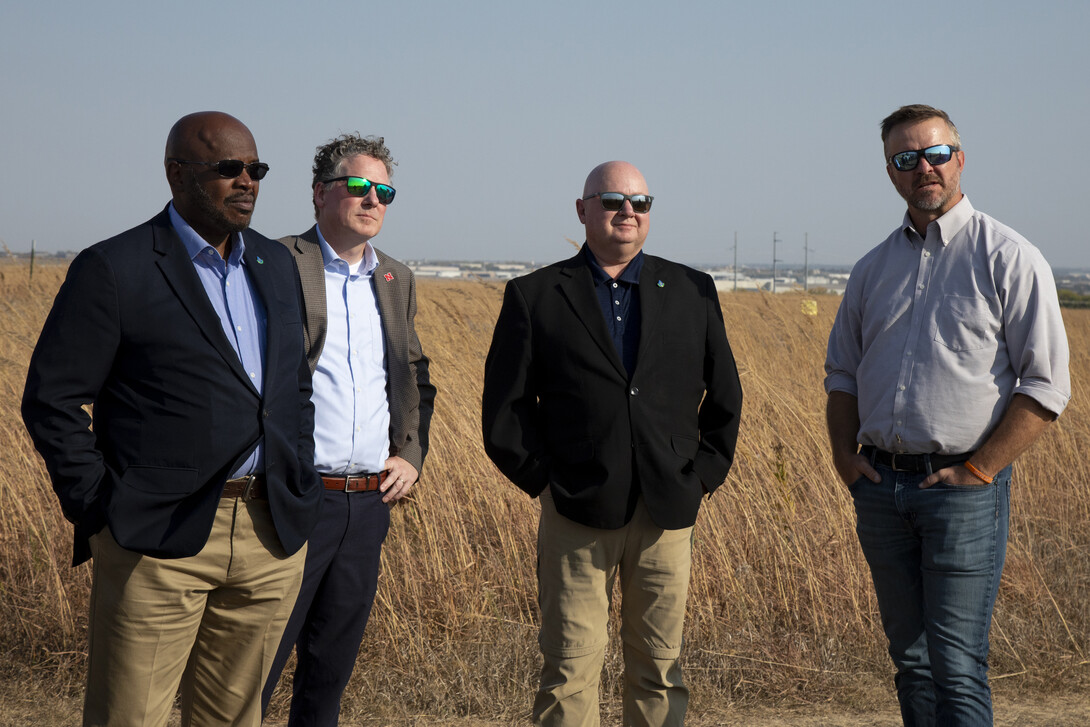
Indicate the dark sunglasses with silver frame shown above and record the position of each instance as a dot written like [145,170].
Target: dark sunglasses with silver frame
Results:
[614,201]
[906,161]
[231,168]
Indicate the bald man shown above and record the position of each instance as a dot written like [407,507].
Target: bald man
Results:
[196,491]
[611,394]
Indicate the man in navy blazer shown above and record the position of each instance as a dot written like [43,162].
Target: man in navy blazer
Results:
[610,391]
[194,490]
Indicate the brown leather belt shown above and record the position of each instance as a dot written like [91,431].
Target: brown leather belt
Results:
[367,482]
[248,488]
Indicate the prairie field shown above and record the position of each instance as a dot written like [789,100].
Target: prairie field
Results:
[780,614]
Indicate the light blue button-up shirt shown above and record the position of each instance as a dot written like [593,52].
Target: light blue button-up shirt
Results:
[240,310]
[351,408]
[939,329]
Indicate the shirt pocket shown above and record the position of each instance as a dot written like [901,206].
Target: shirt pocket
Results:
[967,324]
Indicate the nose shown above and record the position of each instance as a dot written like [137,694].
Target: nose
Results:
[371,198]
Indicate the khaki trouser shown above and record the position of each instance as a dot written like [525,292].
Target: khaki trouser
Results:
[210,623]
[577,567]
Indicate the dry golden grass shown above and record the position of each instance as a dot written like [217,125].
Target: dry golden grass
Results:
[780,609]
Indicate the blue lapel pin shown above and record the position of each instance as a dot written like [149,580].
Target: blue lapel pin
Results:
[661,284]
[262,262]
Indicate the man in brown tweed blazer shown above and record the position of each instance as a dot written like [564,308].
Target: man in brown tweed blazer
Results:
[373,404]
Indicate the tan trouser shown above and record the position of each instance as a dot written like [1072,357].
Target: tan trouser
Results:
[210,622]
[577,567]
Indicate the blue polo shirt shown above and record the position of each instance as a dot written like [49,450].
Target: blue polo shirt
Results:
[620,303]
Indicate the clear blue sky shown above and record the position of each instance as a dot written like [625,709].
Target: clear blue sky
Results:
[754,117]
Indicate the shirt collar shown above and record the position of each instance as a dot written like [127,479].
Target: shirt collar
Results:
[949,224]
[367,265]
[195,244]
[630,275]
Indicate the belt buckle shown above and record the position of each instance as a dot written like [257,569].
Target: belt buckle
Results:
[893,463]
[347,479]
[246,496]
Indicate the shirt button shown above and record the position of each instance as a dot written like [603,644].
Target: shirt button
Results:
[920,286]
[618,318]
[238,328]
[616,302]
[614,285]
[253,375]
[901,388]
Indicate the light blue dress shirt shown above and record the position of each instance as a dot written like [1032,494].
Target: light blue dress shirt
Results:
[351,407]
[939,328]
[240,310]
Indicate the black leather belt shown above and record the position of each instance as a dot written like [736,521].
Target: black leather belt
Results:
[916,463]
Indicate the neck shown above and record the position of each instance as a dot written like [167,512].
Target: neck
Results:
[350,251]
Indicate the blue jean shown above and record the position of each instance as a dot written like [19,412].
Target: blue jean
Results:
[936,556]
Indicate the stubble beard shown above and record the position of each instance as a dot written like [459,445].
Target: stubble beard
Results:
[213,214]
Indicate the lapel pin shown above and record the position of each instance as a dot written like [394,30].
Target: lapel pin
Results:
[389,277]
[661,284]
[260,261]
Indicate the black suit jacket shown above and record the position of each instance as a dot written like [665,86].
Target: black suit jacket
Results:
[133,333]
[559,410]
[409,391]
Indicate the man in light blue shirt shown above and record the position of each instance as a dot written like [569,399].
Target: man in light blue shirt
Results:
[947,360]
[373,404]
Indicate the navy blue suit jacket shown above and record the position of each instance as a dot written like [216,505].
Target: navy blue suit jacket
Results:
[133,333]
[560,411]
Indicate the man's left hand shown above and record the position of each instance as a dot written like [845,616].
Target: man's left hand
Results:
[400,480]
[956,475]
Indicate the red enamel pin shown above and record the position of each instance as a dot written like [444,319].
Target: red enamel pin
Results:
[389,277]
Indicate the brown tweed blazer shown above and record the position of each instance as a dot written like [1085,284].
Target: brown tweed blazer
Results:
[408,388]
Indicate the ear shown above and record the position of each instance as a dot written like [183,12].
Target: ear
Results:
[581,210]
[174,176]
[891,171]
[319,195]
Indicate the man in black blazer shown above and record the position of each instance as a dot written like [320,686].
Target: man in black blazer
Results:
[373,403]
[610,391]
[195,491]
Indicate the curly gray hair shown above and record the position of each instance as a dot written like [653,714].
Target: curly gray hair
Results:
[329,157]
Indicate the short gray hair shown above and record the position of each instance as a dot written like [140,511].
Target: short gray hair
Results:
[329,156]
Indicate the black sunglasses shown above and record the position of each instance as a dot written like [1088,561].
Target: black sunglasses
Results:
[614,201]
[231,168]
[906,161]
[361,187]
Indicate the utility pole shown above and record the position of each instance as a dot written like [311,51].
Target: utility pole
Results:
[31,276]
[774,261]
[806,262]
[735,261]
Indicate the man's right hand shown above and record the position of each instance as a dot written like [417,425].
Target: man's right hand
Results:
[853,466]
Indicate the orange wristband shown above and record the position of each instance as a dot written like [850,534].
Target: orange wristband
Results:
[977,473]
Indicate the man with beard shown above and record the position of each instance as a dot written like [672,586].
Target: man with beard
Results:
[947,360]
[196,491]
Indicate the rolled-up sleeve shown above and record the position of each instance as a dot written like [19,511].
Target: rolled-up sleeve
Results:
[845,344]
[1034,331]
